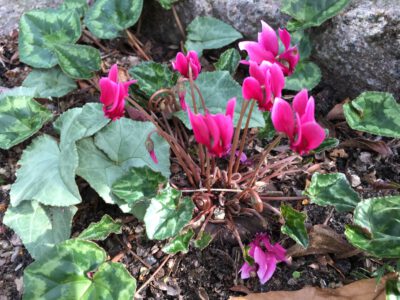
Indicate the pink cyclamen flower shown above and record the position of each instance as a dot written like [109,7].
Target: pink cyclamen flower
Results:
[299,123]
[113,94]
[182,64]
[265,83]
[214,131]
[150,148]
[267,48]
[266,256]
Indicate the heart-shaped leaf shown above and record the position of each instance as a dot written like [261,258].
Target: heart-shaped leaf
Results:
[99,231]
[217,88]
[306,76]
[78,61]
[41,30]
[20,118]
[106,19]
[167,214]
[308,13]
[377,227]
[40,227]
[76,269]
[42,178]
[228,61]
[80,6]
[151,77]
[374,112]
[294,225]
[209,33]
[203,240]
[332,189]
[179,243]
[303,41]
[49,82]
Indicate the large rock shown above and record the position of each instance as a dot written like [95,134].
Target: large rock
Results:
[357,50]
[11,11]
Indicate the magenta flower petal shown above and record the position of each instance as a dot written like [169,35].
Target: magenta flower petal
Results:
[284,35]
[230,107]
[277,80]
[200,128]
[308,115]
[108,91]
[310,136]
[251,89]
[113,73]
[282,117]
[300,102]
[245,270]
[256,51]
[266,264]
[267,37]
[183,62]
[153,156]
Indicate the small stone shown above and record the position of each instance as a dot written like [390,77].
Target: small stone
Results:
[355,180]
[365,157]
[19,284]
[292,281]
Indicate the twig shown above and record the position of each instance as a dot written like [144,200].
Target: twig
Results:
[153,275]
[212,190]
[134,42]
[178,22]
[271,198]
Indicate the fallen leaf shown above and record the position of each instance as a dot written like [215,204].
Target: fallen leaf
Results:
[341,153]
[324,240]
[365,289]
[336,113]
[376,146]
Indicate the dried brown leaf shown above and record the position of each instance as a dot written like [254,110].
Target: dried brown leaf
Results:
[377,146]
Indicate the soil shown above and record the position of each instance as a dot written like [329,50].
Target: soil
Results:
[213,272]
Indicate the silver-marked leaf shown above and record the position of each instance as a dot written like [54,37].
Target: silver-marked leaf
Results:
[80,6]
[309,13]
[306,76]
[374,112]
[167,214]
[294,225]
[217,88]
[203,240]
[151,77]
[303,42]
[40,30]
[76,269]
[332,189]
[327,144]
[179,243]
[228,61]
[209,33]
[41,178]
[40,227]
[167,4]
[377,227]
[19,91]
[106,19]
[20,118]
[99,231]
[49,82]
[78,61]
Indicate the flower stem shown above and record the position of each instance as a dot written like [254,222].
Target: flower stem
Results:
[235,140]
[244,136]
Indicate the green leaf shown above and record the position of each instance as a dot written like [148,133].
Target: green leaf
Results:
[296,274]
[377,227]
[40,227]
[167,214]
[106,19]
[309,13]
[203,240]
[66,272]
[115,150]
[167,4]
[179,243]
[268,132]
[228,61]
[49,82]
[332,189]
[20,118]
[40,30]
[294,225]
[137,188]
[374,112]
[303,41]
[99,231]
[42,178]
[327,144]
[80,6]
[19,91]
[306,76]
[209,33]
[78,61]
[393,289]
[152,76]
[217,88]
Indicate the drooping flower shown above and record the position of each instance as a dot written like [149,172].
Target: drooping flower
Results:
[182,64]
[298,122]
[265,83]
[113,94]
[214,131]
[267,49]
[150,148]
[265,256]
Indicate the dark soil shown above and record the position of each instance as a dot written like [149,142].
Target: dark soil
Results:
[213,272]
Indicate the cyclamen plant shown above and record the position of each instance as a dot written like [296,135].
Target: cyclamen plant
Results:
[218,137]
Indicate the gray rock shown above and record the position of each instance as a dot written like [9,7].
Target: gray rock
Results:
[11,11]
[357,50]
